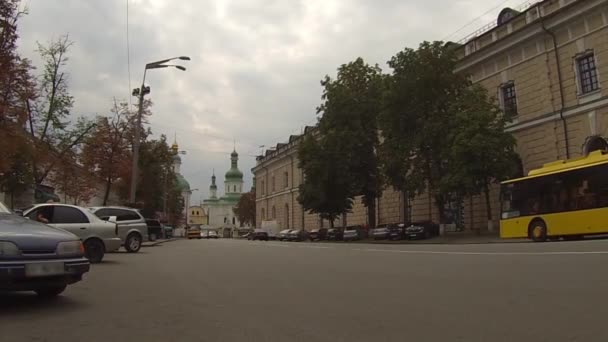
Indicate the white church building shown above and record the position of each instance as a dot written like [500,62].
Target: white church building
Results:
[220,209]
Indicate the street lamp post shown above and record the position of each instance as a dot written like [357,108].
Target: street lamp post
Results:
[140,93]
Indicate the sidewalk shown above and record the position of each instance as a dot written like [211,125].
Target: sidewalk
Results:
[157,242]
[457,238]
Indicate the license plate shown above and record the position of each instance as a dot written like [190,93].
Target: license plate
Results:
[44,269]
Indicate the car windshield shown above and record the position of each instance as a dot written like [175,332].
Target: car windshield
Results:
[4,209]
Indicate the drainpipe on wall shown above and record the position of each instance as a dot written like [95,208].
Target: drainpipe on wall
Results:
[561,90]
[291,217]
[266,193]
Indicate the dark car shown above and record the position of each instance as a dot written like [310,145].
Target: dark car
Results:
[397,232]
[318,234]
[155,229]
[351,234]
[335,234]
[422,230]
[259,234]
[36,257]
[297,235]
[283,234]
[381,232]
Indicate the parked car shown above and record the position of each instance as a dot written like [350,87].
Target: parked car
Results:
[193,232]
[381,233]
[98,236]
[283,235]
[212,234]
[351,234]
[397,232]
[422,230]
[132,227]
[297,235]
[335,234]
[318,234]
[37,257]
[260,234]
[168,230]
[155,229]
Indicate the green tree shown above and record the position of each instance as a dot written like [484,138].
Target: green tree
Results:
[16,87]
[245,208]
[52,132]
[438,129]
[416,118]
[350,107]
[76,183]
[157,190]
[106,151]
[481,152]
[327,189]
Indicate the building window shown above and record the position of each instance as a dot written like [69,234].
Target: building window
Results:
[274,212]
[234,187]
[273,188]
[263,214]
[587,73]
[509,98]
[285,180]
[263,188]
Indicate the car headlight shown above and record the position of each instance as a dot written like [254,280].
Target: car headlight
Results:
[70,248]
[8,249]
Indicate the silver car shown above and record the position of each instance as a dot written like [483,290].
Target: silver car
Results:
[98,236]
[132,227]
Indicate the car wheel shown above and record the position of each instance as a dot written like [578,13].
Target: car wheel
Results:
[51,291]
[538,231]
[133,243]
[94,250]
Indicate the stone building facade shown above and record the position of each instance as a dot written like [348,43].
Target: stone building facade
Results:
[546,63]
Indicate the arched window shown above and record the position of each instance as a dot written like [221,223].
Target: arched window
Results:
[263,188]
[263,214]
[234,188]
[274,212]
[286,180]
[233,221]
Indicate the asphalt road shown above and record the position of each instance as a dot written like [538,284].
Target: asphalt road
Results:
[229,290]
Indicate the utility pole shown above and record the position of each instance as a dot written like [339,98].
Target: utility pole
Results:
[136,141]
[140,93]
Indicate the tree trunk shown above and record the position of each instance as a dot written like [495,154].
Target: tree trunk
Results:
[107,193]
[488,208]
[371,213]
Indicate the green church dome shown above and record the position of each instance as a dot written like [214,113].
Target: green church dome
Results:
[234,173]
[181,183]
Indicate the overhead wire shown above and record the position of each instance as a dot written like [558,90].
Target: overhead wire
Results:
[502,3]
[129,58]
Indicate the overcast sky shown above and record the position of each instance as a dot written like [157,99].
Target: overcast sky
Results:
[256,64]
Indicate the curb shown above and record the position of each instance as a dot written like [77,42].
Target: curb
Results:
[156,243]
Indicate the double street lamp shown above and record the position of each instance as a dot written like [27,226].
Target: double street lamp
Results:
[140,93]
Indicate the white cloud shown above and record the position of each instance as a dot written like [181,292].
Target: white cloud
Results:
[256,64]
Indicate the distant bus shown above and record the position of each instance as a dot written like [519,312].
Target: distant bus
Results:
[564,199]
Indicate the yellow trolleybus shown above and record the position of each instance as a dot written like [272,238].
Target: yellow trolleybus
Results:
[566,198]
